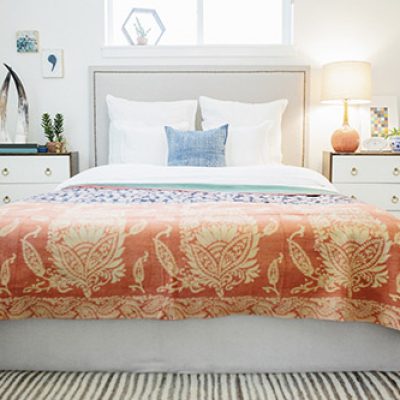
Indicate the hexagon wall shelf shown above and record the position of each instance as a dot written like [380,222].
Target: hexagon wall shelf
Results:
[143,26]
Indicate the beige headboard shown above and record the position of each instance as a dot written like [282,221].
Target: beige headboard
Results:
[247,84]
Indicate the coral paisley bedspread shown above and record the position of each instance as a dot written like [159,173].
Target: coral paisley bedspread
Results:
[103,252]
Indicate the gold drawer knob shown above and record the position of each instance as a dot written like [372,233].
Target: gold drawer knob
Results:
[48,172]
[7,199]
[353,197]
[354,171]
[396,171]
[5,172]
[395,199]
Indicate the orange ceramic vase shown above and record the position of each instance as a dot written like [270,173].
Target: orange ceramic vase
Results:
[345,140]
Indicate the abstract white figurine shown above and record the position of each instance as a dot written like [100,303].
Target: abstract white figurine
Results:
[22,129]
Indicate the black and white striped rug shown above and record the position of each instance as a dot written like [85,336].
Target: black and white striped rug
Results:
[116,386]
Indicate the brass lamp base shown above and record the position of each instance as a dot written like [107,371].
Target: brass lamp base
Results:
[345,140]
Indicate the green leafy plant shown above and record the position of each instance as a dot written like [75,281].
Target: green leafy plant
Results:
[53,130]
[140,30]
[394,132]
[47,125]
[59,127]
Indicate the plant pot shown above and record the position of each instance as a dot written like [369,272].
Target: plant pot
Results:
[56,147]
[394,142]
[142,41]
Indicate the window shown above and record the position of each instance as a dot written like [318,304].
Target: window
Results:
[199,22]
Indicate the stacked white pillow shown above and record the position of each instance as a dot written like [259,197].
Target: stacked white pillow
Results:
[256,122]
[137,134]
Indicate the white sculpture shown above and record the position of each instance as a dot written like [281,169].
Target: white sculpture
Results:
[22,129]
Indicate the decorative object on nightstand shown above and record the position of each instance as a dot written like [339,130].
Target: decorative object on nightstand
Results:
[22,129]
[394,140]
[23,175]
[347,82]
[375,144]
[53,130]
[370,177]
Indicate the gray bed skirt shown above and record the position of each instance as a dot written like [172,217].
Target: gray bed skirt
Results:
[232,344]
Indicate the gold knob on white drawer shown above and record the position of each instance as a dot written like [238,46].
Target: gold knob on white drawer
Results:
[48,172]
[5,172]
[395,199]
[354,171]
[353,197]
[396,171]
[6,200]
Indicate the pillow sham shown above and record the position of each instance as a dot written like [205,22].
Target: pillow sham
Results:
[152,113]
[246,144]
[236,114]
[139,144]
[196,148]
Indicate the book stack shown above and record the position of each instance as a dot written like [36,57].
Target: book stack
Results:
[18,148]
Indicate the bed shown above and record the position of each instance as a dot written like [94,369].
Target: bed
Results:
[240,269]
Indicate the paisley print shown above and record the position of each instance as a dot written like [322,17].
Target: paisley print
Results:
[354,249]
[87,256]
[108,253]
[220,252]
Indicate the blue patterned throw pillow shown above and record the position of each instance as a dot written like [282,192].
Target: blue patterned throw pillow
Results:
[197,148]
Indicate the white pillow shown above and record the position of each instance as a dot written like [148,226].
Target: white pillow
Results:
[139,144]
[245,144]
[152,113]
[236,114]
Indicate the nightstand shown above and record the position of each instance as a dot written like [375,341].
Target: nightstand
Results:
[373,178]
[25,175]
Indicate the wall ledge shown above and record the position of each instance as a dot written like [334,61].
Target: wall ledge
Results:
[203,52]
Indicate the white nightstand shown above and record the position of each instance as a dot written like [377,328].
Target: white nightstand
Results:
[370,177]
[24,175]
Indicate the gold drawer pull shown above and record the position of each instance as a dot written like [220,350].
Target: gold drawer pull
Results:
[396,171]
[395,199]
[5,172]
[353,197]
[6,200]
[354,171]
[48,172]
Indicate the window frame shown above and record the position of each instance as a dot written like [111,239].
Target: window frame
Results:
[200,49]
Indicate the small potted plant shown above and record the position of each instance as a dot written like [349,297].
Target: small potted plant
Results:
[53,130]
[394,139]
[142,33]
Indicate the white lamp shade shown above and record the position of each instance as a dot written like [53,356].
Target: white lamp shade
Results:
[349,80]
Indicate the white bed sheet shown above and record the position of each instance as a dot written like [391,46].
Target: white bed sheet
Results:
[268,175]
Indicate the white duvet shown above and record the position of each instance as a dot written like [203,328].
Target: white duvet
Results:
[268,175]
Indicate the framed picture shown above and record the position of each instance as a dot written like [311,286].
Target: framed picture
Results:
[53,63]
[27,41]
[380,117]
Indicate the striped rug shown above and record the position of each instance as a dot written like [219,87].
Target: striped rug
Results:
[116,386]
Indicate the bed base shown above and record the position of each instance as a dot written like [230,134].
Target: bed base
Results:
[232,344]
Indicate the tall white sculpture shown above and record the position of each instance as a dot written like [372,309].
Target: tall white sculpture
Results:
[22,129]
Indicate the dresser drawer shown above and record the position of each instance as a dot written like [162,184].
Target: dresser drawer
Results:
[10,193]
[386,196]
[359,169]
[34,169]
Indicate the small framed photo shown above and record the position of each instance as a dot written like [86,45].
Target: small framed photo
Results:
[53,63]
[383,115]
[380,117]
[27,41]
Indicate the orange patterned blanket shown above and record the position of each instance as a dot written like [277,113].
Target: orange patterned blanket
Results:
[333,260]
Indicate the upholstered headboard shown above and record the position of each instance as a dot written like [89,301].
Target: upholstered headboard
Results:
[247,84]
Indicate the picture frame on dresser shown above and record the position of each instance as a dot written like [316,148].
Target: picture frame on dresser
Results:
[25,175]
[371,177]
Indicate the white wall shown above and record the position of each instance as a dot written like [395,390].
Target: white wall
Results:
[325,30]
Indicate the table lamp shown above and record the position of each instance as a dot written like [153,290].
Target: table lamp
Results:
[347,82]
